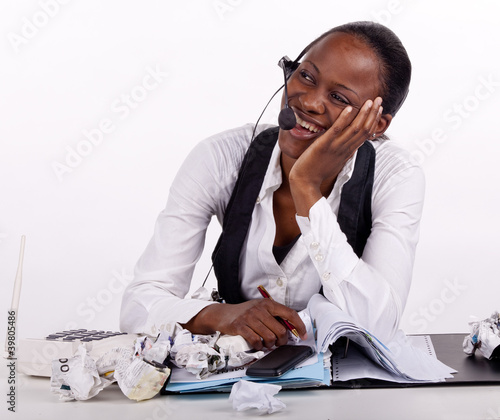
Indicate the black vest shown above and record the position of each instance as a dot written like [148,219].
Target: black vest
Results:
[354,218]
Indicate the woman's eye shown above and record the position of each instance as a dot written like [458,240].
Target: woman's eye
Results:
[306,75]
[339,99]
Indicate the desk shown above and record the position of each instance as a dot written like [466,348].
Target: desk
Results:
[35,401]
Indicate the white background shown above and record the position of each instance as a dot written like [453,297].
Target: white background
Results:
[65,70]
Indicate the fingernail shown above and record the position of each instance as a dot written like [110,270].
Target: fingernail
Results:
[349,109]
[380,110]
[369,104]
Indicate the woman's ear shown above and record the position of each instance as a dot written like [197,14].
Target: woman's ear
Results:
[383,124]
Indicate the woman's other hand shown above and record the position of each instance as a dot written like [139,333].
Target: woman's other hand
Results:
[255,320]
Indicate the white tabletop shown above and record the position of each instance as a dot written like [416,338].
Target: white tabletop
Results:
[35,401]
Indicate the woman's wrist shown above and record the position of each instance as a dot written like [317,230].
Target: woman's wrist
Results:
[203,321]
[304,196]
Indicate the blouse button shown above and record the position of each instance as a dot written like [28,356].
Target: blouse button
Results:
[279,282]
[319,257]
[314,245]
[258,200]
[326,276]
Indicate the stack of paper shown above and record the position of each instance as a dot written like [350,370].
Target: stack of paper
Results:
[310,373]
[399,360]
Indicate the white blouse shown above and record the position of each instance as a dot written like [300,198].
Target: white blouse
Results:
[373,289]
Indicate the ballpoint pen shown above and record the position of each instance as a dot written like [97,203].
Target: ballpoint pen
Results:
[266,295]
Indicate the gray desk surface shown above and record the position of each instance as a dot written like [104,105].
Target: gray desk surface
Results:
[34,401]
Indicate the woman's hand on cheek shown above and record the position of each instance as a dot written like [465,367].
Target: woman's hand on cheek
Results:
[254,320]
[326,157]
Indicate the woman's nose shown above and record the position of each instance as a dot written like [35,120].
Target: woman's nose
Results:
[312,102]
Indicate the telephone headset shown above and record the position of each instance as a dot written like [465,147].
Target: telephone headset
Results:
[286,117]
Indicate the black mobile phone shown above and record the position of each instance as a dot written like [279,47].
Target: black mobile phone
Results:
[279,361]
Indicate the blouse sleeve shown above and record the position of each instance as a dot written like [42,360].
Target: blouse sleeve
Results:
[155,299]
[374,288]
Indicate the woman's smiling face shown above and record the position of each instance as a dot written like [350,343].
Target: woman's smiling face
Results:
[339,71]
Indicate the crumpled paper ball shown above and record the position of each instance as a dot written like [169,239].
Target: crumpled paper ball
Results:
[246,394]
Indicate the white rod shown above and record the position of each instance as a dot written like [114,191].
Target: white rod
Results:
[16,295]
[19,278]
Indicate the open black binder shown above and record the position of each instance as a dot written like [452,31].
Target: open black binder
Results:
[471,370]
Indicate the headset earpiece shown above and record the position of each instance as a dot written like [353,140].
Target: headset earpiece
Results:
[286,117]
[288,66]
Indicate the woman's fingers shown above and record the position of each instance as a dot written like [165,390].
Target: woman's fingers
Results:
[373,118]
[350,131]
[256,321]
[363,125]
[268,331]
[266,320]
[374,127]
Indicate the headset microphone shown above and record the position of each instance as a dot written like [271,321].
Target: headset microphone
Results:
[286,117]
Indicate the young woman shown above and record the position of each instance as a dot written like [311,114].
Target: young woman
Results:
[338,210]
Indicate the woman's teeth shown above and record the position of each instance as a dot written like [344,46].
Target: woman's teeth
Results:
[309,126]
